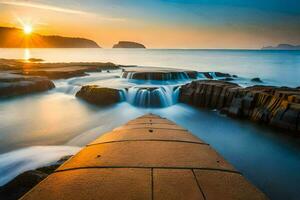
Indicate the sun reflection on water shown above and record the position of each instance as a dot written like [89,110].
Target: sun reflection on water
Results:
[27,54]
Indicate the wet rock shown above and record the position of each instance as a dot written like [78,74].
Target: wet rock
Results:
[256,80]
[192,74]
[15,85]
[227,79]
[99,95]
[21,184]
[33,67]
[220,74]
[276,106]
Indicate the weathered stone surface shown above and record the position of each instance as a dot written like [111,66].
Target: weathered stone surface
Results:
[99,95]
[148,154]
[93,184]
[15,85]
[175,184]
[147,134]
[224,185]
[139,169]
[276,106]
[151,126]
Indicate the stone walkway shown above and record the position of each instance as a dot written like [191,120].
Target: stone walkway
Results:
[148,158]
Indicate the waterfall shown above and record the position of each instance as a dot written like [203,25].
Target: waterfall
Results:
[161,76]
[154,96]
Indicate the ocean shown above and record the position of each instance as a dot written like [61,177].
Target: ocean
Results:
[38,129]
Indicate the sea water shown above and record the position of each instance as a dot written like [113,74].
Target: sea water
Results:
[38,129]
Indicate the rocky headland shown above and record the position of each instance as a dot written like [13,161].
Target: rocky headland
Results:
[282,47]
[275,106]
[15,38]
[129,44]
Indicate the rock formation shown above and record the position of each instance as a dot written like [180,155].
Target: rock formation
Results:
[283,47]
[15,38]
[128,44]
[18,77]
[99,95]
[14,85]
[276,106]
[21,184]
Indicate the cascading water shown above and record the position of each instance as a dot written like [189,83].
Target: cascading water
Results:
[154,96]
[161,76]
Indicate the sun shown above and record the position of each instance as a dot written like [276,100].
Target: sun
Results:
[27,29]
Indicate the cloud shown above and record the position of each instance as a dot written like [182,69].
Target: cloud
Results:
[48,7]
[42,6]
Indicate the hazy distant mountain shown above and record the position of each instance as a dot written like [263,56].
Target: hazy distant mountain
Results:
[128,44]
[15,38]
[283,47]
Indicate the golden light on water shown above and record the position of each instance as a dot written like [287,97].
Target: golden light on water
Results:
[27,54]
[27,28]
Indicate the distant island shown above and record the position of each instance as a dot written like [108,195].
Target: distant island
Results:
[283,47]
[128,44]
[15,38]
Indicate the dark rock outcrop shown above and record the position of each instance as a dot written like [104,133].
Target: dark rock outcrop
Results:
[14,85]
[128,44]
[159,76]
[21,184]
[276,106]
[258,80]
[15,38]
[99,95]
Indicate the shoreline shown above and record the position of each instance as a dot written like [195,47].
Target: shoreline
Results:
[277,106]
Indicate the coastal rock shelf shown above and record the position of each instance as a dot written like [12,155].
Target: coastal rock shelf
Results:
[276,106]
[14,85]
[18,77]
[159,74]
[148,158]
[166,74]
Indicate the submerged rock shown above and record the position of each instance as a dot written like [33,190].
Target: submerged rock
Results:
[14,85]
[99,95]
[276,106]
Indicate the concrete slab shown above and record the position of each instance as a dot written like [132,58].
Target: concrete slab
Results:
[226,186]
[150,121]
[146,161]
[148,154]
[175,184]
[150,116]
[146,134]
[88,184]
[153,126]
